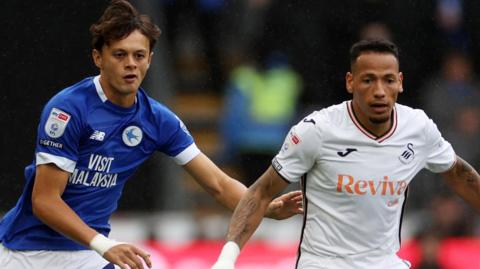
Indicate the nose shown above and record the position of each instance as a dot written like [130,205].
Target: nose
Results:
[379,90]
[130,62]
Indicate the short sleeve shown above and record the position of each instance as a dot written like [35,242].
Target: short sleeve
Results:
[58,136]
[441,155]
[175,139]
[298,153]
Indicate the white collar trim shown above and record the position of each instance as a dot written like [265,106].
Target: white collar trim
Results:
[98,87]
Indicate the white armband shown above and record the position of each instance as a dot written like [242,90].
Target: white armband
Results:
[102,244]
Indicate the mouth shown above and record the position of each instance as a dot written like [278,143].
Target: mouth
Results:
[130,78]
[379,108]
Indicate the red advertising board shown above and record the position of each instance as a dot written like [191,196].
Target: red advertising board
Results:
[455,253]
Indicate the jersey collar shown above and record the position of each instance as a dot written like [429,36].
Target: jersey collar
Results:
[98,87]
[366,132]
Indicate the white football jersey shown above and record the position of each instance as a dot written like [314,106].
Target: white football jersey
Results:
[355,183]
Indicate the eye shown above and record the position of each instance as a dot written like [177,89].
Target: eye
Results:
[366,80]
[140,56]
[118,54]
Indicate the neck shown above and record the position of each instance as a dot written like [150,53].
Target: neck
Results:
[125,100]
[376,128]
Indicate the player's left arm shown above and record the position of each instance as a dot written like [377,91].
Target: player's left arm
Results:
[229,191]
[465,181]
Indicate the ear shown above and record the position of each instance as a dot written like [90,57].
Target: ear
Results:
[400,79]
[97,58]
[150,60]
[349,82]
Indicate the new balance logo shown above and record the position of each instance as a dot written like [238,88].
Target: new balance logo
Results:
[347,151]
[97,135]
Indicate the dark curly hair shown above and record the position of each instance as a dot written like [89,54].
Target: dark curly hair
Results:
[118,21]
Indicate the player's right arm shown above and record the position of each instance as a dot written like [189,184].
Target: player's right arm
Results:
[296,158]
[50,208]
[62,123]
[252,206]
[248,215]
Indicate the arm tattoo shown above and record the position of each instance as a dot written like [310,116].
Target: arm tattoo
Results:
[465,181]
[241,226]
[466,172]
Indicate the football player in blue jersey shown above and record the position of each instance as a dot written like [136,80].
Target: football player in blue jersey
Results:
[92,136]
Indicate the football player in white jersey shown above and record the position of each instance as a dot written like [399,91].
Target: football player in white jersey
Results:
[355,161]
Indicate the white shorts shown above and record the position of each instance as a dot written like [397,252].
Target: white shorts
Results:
[48,259]
[372,262]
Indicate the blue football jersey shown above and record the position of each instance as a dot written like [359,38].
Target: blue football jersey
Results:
[101,145]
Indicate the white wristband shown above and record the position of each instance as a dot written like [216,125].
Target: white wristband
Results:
[102,244]
[230,252]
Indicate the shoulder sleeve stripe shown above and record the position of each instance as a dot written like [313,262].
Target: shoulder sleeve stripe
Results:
[62,162]
[187,154]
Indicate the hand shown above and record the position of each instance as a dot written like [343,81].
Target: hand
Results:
[285,206]
[125,254]
[223,264]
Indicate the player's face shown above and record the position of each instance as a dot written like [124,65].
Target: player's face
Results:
[123,65]
[375,82]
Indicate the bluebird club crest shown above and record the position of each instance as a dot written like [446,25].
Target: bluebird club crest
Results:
[132,136]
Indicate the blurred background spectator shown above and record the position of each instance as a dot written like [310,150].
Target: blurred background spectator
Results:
[452,100]
[259,108]
[450,25]
[220,65]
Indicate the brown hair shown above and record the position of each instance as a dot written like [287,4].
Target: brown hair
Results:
[118,21]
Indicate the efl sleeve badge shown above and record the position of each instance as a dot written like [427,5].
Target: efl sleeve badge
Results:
[56,123]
